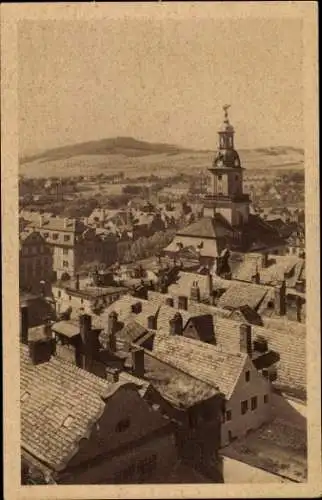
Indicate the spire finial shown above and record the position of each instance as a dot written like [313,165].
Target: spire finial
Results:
[225,108]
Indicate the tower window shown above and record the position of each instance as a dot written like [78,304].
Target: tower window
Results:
[219,177]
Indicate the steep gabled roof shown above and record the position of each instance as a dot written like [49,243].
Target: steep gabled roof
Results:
[243,294]
[203,361]
[59,405]
[208,227]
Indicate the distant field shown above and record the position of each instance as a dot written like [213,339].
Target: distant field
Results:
[159,163]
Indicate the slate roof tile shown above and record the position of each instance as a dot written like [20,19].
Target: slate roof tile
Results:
[51,392]
[203,361]
[242,294]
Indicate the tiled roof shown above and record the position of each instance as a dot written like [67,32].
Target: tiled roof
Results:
[58,223]
[185,281]
[175,385]
[289,344]
[283,264]
[208,227]
[242,294]
[60,403]
[131,332]
[210,247]
[67,328]
[123,308]
[203,361]
[166,313]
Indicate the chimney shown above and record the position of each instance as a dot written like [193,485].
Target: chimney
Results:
[112,374]
[245,339]
[85,324]
[152,324]
[137,361]
[41,347]
[77,282]
[169,301]
[280,299]
[209,283]
[47,329]
[298,308]
[137,307]
[112,329]
[176,325]
[183,302]
[24,324]
[300,286]
[195,292]
[264,260]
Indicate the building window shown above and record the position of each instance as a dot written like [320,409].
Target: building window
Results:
[244,407]
[55,236]
[82,301]
[66,237]
[228,415]
[65,251]
[123,425]
[46,235]
[266,398]
[247,376]
[65,263]
[59,293]
[70,297]
[254,403]
[219,177]
[230,436]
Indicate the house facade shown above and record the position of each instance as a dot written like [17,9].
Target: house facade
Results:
[35,261]
[73,244]
[247,392]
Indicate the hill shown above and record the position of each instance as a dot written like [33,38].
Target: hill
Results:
[136,157]
[118,145]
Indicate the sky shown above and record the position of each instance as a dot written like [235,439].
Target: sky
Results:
[160,81]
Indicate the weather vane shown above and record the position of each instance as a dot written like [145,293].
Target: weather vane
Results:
[225,108]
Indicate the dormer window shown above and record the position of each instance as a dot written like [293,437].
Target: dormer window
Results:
[68,422]
[123,425]
[24,396]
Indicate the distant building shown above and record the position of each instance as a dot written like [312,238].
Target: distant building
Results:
[227,221]
[72,243]
[35,261]
[72,296]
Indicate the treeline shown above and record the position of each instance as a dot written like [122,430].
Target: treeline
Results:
[144,247]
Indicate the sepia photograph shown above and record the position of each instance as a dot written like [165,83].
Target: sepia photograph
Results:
[161,208]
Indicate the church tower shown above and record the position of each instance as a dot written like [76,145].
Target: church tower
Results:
[226,193]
